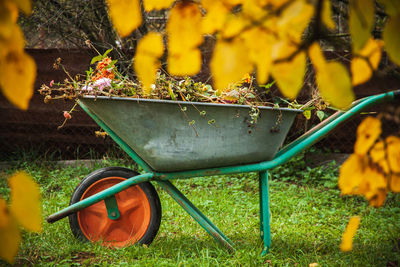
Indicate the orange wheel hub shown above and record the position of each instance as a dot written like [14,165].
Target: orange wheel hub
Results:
[135,214]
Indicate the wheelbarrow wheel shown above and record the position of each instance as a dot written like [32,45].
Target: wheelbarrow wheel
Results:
[139,207]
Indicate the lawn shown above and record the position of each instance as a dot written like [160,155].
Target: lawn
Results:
[307,220]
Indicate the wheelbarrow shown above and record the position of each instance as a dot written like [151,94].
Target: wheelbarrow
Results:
[176,140]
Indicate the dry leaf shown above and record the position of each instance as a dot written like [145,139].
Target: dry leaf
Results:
[260,52]
[395,183]
[393,153]
[289,75]
[184,37]
[184,27]
[337,92]
[229,63]
[378,156]
[10,237]
[147,59]
[348,235]
[4,213]
[294,20]
[391,37]
[17,77]
[215,17]
[234,26]
[25,201]
[150,5]
[352,174]
[367,132]
[24,5]
[327,14]
[367,60]
[125,15]
[361,22]
[187,62]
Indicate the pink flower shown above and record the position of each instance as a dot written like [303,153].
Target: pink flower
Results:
[51,83]
[87,88]
[102,83]
[67,115]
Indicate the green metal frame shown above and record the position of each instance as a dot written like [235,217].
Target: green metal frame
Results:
[303,142]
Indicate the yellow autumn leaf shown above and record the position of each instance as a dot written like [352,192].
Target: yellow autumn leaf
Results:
[147,59]
[337,92]
[391,37]
[276,3]
[378,156]
[367,60]
[188,62]
[184,37]
[393,152]
[327,14]
[229,63]
[215,17]
[392,7]
[24,5]
[17,77]
[367,133]
[233,26]
[150,5]
[373,186]
[8,18]
[395,183]
[184,27]
[260,52]
[289,75]
[348,235]
[10,237]
[14,42]
[351,174]
[316,56]
[294,19]
[125,15]
[379,198]
[232,3]
[254,9]
[361,22]
[4,213]
[361,71]
[25,201]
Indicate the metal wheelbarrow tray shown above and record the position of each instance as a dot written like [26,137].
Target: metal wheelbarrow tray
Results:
[173,140]
[175,136]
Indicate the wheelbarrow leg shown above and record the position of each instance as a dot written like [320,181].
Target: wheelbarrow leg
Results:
[190,208]
[265,229]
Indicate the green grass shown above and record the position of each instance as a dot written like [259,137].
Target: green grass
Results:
[307,221]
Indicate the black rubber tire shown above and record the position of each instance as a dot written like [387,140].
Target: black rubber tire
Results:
[147,188]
